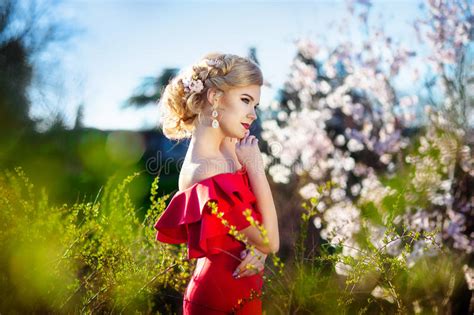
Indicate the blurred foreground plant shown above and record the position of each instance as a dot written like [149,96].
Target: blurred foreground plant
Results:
[88,257]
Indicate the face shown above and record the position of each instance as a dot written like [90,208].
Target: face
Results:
[237,108]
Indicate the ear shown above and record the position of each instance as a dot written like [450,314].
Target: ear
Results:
[211,95]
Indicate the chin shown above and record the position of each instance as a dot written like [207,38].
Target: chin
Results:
[240,134]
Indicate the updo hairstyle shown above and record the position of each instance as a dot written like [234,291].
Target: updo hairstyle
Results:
[185,96]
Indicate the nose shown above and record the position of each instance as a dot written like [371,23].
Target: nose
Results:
[253,114]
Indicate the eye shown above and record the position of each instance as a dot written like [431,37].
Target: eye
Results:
[246,99]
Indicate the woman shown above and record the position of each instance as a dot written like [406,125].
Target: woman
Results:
[214,102]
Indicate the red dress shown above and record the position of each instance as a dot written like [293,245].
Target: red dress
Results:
[188,218]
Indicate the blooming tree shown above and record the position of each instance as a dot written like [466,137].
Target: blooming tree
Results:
[341,119]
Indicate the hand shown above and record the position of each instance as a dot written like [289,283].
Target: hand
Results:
[248,152]
[251,263]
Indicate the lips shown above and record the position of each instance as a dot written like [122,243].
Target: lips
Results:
[246,126]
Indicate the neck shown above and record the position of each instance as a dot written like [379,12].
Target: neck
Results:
[206,140]
[211,142]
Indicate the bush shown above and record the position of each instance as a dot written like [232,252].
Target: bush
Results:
[88,257]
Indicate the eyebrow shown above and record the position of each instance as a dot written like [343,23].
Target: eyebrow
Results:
[251,98]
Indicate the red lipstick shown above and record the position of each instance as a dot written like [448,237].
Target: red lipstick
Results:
[246,126]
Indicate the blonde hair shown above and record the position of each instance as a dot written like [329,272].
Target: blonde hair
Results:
[179,109]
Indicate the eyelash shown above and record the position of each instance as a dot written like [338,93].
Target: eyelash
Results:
[246,99]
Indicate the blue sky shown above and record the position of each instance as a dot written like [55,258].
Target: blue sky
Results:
[125,41]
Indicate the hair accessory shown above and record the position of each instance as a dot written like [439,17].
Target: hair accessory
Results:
[193,84]
[214,62]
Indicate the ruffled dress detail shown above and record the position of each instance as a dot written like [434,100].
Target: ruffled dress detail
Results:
[188,219]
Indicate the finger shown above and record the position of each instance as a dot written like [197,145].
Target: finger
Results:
[249,270]
[243,253]
[247,133]
[255,140]
[241,141]
[257,267]
[249,139]
[241,267]
[257,259]
[249,259]
[252,270]
[247,263]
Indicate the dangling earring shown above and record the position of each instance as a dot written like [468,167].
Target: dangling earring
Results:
[215,123]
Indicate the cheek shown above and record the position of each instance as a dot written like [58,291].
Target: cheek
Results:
[230,124]
[233,114]
[230,121]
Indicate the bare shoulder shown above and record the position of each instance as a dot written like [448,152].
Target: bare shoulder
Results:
[192,173]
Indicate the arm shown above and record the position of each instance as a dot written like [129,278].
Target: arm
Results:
[250,155]
[265,203]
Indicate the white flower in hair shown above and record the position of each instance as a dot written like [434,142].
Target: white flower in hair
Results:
[192,85]
[214,62]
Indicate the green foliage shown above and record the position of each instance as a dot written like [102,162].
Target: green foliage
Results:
[88,257]
[100,256]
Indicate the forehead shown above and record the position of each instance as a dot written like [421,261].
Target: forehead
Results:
[251,90]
